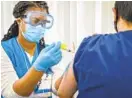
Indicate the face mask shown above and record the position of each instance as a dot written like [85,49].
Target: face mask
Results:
[34,33]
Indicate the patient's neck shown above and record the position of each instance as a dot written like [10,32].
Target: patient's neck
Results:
[124,26]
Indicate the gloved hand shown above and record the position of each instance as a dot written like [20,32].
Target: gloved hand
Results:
[48,57]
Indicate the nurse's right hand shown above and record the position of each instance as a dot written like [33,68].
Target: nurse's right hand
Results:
[48,57]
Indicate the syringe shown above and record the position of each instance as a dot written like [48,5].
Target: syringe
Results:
[64,47]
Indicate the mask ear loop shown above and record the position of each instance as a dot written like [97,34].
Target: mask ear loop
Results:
[20,27]
[115,22]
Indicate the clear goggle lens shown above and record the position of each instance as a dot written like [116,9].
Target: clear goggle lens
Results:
[39,18]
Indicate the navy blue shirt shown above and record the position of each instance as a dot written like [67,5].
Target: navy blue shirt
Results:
[103,66]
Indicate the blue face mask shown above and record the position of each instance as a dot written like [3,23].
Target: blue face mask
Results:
[34,33]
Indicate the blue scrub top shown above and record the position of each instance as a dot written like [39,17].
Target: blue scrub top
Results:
[103,66]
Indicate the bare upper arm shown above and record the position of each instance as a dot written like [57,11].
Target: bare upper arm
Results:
[68,85]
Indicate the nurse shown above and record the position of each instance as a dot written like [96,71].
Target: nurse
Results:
[26,62]
[102,66]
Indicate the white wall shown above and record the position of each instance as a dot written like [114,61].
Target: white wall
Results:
[74,20]
[107,17]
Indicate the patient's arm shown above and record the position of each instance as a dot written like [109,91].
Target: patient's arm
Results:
[67,85]
[58,82]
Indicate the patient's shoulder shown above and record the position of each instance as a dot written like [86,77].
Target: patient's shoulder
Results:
[87,43]
[97,41]
[94,45]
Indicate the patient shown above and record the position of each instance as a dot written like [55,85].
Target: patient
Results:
[102,66]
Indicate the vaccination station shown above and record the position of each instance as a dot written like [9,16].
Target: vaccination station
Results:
[66,49]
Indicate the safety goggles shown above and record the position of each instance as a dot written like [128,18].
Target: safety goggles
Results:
[36,18]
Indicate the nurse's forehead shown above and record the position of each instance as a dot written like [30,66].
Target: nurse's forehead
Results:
[37,9]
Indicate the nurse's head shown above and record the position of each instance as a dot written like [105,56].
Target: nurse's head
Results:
[123,15]
[30,21]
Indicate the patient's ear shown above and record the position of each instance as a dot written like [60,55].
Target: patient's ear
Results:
[114,13]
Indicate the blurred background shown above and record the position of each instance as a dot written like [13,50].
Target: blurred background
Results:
[74,20]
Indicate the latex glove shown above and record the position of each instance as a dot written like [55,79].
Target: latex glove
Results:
[48,57]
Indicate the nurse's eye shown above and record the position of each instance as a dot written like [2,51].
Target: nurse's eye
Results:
[36,20]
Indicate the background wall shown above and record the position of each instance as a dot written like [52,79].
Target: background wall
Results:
[74,20]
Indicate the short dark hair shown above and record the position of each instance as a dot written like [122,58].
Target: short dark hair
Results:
[124,9]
